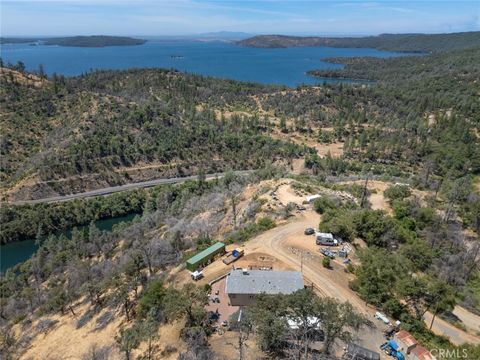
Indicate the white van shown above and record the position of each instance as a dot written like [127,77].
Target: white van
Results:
[325,239]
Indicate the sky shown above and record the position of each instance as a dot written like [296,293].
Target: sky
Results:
[185,17]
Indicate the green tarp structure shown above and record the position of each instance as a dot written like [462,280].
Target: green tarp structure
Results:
[203,256]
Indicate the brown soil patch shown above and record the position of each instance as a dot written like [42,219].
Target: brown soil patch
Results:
[335,149]
[260,259]
[476,184]
[169,334]
[298,166]
[377,199]
[226,346]
[25,79]
[73,342]
[286,195]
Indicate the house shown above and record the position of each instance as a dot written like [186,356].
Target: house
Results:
[406,342]
[203,257]
[420,353]
[243,286]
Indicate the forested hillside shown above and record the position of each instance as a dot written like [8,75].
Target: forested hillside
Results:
[78,41]
[112,127]
[392,42]
[426,109]
[98,126]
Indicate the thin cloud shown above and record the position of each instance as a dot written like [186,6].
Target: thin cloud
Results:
[179,17]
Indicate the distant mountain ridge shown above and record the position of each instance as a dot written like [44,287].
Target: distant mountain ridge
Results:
[224,35]
[227,36]
[390,42]
[78,41]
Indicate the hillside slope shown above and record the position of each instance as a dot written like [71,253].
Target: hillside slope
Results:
[108,128]
[390,42]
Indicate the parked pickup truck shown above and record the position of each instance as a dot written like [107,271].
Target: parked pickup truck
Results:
[233,256]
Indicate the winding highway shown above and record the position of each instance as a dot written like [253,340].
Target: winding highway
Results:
[131,186]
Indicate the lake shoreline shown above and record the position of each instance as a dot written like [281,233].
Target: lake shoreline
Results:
[280,67]
[16,252]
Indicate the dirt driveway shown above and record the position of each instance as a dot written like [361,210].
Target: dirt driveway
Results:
[281,241]
[287,242]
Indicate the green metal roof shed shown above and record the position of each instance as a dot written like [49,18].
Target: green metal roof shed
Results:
[203,256]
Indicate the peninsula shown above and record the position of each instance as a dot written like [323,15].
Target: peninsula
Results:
[423,43]
[78,41]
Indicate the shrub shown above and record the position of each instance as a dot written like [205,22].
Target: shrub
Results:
[152,298]
[250,230]
[323,204]
[338,223]
[394,308]
[397,192]
[326,262]
[265,223]
[351,268]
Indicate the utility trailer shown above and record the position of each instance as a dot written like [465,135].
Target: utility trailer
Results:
[234,256]
[392,349]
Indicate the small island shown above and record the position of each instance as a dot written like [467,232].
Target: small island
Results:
[78,41]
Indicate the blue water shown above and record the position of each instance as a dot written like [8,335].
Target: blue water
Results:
[19,251]
[220,59]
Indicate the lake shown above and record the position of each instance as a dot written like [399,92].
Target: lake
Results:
[19,251]
[220,59]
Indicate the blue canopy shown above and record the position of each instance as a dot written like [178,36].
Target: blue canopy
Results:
[393,345]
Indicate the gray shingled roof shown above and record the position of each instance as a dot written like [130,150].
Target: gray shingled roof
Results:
[263,281]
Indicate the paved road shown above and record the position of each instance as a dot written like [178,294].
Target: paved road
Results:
[470,320]
[457,336]
[114,189]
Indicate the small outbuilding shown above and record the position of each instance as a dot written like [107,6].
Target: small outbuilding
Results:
[420,353]
[203,257]
[406,342]
[243,286]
